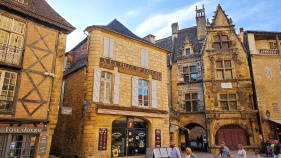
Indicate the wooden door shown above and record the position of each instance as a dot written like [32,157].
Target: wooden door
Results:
[232,137]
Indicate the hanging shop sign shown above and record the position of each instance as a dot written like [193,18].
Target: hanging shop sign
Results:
[42,145]
[130,69]
[130,122]
[157,138]
[11,129]
[102,139]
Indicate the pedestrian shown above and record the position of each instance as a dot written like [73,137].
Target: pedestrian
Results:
[276,150]
[201,141]
[175,153]
[224,151]
[268,150]
[189,153]
[241,152]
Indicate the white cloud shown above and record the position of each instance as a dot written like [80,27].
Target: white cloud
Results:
[132,13]
[160,25]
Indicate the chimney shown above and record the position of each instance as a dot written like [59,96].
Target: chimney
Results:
[175,29]
[201,23]
[150,38]
[241,34]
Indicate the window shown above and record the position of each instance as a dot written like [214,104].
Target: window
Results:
[224,69]
[108,47]
[144,58]
[275,107]
[191,102]
[220,42]
[7,89]
[272,45]
[228,101]
[190,73]
[105,87]
[11,40]
[143,92]
[187,51]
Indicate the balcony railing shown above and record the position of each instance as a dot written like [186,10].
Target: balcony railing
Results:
[6,105]
[269,51]
[10,55]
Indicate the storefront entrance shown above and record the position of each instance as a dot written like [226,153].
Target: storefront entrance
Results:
[129,136]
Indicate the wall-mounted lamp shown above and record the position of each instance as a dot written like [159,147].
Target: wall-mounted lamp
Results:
[86,105]
[267,114]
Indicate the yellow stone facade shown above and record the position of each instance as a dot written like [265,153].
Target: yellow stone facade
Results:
[38,70]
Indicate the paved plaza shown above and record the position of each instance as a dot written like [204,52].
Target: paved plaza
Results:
[233,155]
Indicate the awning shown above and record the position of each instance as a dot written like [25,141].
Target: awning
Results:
[276,120]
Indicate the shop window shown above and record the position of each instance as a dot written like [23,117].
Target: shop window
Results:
[220,42]
[224,69]
[108,47]
[191,102]
[190,73]
[143,92]
[7,89]
[228,101]
[11,40]
[105,87]
[144,58]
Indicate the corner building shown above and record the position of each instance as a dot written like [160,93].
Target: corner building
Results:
[230,113]
[32,46]
[124,79]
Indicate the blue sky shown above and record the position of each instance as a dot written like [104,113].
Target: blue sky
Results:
[155,17]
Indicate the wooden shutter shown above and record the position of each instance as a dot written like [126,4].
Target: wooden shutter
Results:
[111,48]
[96,85]
[135,91]
[4,37]
[116,88]
[154,94]
[16,40]
[105,47]
[145,58]
[142,56]
[18,27]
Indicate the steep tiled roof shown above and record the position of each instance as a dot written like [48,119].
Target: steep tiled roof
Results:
[183,35]
[40,10]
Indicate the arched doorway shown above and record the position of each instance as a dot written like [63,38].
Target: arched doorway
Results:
[129,136]
[195,137]
[232,135]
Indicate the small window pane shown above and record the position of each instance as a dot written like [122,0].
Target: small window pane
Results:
[217,46]
[193,77]
[224,105]
[145,83]
[108,76]
[232,96]
[223,96]
[227,63]
[140,82]
[223,38]
[225,45]
[195,106]
[187,51]
[186,78]
[194,96]
[145,103]
[228,74]
[192,68]
[102,74]
[187,96]
[188,106]
[219,64]
[216,38]
[185,69]
[220,74]
[233,105]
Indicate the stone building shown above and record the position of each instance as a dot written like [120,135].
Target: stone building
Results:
[186,79]
[228,94]
[211,84]
[116,85]
[32,46]
[265,61]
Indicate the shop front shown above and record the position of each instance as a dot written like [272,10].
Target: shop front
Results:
[129,136]
[21,142]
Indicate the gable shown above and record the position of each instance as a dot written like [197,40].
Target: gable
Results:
[220,18]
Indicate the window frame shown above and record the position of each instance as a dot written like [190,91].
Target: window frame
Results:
[220,41]
[15,91]
[224,69]
[189,73]
[191,101]
[228,100]
[103,87]
[148,93]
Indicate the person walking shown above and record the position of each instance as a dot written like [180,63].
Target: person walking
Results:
[224,151]
[241,152]
[175,153]
[276,150]
[189,153]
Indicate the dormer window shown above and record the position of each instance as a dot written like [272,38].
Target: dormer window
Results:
[187,51]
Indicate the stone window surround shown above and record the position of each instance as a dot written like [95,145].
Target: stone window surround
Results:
[186,48]
[224,69]
[221,41]
[189,73]
[190,100]
[228,100]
